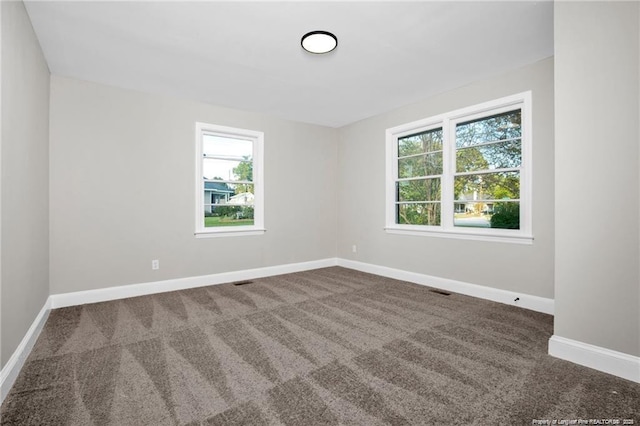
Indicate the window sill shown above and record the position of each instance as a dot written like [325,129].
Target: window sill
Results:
[502,237]
[230,233]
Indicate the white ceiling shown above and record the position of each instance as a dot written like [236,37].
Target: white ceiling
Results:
[248,56]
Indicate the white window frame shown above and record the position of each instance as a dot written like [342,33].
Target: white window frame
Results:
[448,122]
[257,138]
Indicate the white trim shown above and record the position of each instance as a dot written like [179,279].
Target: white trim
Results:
[527,301]
[132,290]
[467,234]
[235,233]
[535,303]
[596,357]
[11,369]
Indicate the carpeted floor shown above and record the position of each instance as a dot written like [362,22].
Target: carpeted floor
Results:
[324,347]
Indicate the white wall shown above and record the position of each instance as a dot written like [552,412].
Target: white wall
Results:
[361,155]
[122,189]
[597,159]
[25,177]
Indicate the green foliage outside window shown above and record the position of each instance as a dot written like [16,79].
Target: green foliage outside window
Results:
[420,159]
[418,214]
[244,172]
[506,216]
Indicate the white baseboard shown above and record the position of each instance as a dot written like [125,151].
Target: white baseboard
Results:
[132,290]
[601,359]
[534,303]
[10,371]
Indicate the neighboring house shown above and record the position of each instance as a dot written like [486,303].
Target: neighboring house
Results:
[243,198]
[216,193]
[472,203]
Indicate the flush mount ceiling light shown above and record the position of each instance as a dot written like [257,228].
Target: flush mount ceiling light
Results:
[319,42]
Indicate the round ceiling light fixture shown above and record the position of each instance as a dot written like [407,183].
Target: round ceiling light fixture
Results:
[319,42]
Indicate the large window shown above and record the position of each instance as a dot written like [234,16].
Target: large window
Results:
[466,173]
[228,181]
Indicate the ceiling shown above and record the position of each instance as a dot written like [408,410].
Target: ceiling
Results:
[247,55]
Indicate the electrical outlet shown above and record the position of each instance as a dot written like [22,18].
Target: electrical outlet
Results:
[155,264]
[354,248]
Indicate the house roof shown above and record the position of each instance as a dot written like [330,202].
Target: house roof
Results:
[469,198]
[218,187]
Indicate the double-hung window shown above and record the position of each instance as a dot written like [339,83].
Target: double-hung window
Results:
[464,174]
[229,187]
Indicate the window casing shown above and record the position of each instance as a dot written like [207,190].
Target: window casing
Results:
[463,174]
[229,181]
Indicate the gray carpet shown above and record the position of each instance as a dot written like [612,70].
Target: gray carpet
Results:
[324,347]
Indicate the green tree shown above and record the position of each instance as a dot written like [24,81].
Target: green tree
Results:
[420,156]
[418,214]
[489,143]
[468,159]
[244,172]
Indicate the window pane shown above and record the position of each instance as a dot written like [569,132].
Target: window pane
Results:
[220,193]
[217,193]
[501,155]
[419,190]
[227,169]
[501,214]
[428,141]
[497,127]
[228,215]
[242,194]
[226,147]
[424,165]
[418,214]
[506,215]
[487,186]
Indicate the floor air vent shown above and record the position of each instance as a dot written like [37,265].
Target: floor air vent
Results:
[242,282]
[444,293]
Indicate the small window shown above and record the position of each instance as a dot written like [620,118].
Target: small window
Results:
[463,174]
[229,194]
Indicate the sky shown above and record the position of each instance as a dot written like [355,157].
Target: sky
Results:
[225,154]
